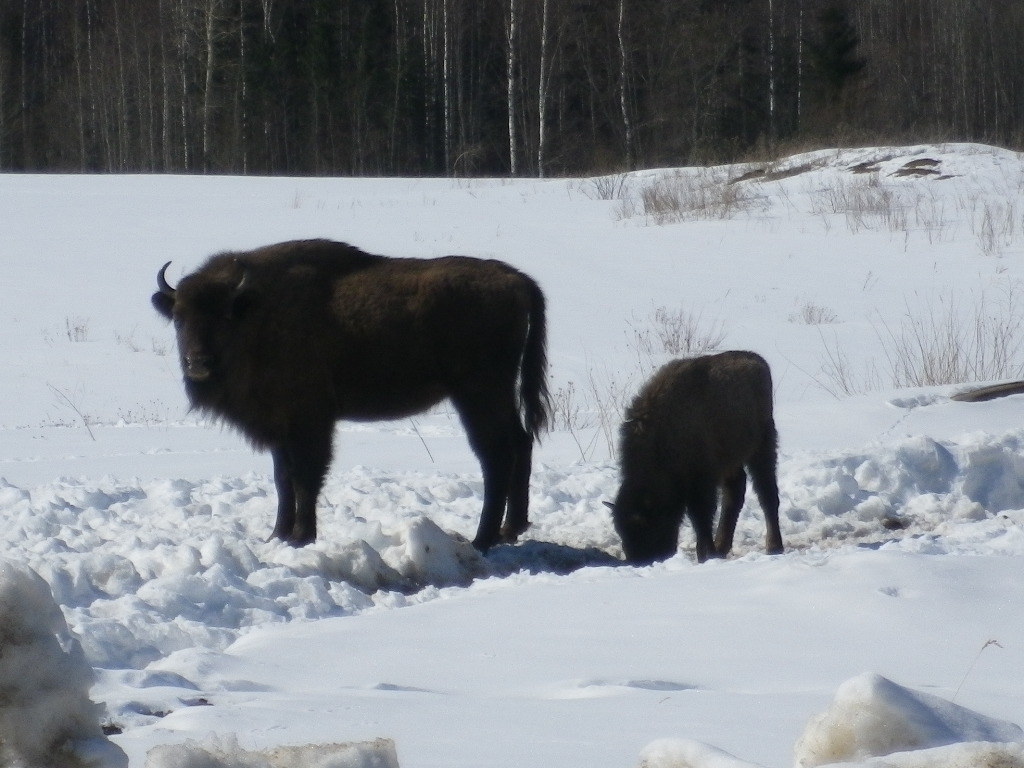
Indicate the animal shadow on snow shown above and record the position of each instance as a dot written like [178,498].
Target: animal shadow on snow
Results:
[537,557]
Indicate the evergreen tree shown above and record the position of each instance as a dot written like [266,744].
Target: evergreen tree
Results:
[833,54]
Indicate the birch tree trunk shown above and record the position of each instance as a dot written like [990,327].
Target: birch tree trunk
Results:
[511,64]
[165,86]
[396,94]
[800,66]
[446,86]
[771,74]
[542,88]
[209,29]
[627,125]
[243,91]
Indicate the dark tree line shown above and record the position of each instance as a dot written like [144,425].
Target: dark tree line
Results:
[521,87]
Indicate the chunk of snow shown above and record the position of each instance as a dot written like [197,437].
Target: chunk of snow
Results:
[872,716]
[224,752]
[683,753]
[46,716]
[429,555]
[970,755]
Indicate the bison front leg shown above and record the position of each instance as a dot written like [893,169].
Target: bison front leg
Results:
[285,495]
[300,466]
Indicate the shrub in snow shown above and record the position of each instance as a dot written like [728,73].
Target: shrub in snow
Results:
[224,752]
[871,716]
[46,716]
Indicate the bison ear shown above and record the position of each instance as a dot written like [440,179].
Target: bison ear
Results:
[163,304]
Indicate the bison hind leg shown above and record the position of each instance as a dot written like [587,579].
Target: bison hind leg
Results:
[517,517]
[494,433]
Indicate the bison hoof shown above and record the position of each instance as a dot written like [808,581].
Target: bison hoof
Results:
[510,533]
[293,538]
[484,543]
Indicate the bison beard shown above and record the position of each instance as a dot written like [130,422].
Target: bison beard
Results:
[283,341]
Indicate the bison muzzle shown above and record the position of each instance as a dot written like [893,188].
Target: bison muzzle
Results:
[691,430]
[283,341]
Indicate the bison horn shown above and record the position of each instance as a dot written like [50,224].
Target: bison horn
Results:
[161,281]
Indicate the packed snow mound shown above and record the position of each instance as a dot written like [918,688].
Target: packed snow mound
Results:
[46,716]
[972,755]
[224,752]
[144,569]
[872,716]
[671,753]
[683,753]
[874,723]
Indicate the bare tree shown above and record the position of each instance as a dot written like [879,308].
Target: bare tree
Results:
[511,67]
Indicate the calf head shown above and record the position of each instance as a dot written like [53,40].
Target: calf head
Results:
[649,531]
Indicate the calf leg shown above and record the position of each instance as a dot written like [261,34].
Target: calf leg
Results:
[762,469]
[701,510]
[734,488]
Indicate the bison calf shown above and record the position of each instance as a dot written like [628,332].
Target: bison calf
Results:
[690,431]
[283,341]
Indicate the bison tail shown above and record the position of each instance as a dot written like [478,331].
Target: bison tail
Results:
[533,383]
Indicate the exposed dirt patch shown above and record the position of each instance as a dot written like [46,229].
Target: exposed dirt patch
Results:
[870,166]
[767,174]
[922,167]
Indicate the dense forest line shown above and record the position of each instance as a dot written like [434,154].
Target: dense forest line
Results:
[516,87]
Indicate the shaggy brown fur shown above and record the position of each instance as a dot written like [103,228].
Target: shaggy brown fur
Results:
[690,431]
[282,341]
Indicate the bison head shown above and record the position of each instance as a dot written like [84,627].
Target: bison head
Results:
[205,309]
[649,532]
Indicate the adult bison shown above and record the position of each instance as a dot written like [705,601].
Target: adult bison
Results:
[690,431]
[282,341]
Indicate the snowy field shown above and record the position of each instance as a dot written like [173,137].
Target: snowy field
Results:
[893,623]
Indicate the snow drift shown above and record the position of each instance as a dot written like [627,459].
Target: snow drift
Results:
[872,717]
[225,752]
[46,717]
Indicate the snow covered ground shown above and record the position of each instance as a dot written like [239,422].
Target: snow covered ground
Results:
[903,510]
